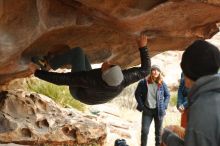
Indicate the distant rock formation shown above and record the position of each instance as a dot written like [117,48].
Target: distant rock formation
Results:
[104,29]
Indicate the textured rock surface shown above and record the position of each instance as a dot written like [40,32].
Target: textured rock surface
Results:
[105,29]
[32,119]
[28,118]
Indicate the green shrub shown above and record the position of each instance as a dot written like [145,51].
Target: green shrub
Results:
[173,98]
[59,94]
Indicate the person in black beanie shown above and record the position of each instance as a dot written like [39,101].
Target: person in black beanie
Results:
[200,65]
[200,59]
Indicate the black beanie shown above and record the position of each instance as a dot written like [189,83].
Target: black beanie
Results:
[200,59]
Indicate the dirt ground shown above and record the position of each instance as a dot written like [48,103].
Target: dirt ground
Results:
[172,118]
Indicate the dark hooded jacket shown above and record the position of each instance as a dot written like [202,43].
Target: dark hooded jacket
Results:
[203,127]
[89,87]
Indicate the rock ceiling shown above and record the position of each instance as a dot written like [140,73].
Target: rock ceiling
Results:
[105,29]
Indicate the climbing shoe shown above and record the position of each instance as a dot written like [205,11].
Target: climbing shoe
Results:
[40,61]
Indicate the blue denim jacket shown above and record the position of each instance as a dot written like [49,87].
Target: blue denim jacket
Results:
[163,97]
[182,94]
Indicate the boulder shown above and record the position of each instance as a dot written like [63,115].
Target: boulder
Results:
[30,119]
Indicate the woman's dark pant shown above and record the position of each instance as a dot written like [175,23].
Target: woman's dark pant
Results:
[147,116]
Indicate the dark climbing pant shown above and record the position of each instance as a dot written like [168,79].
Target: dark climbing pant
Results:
[78,61]
[74,57]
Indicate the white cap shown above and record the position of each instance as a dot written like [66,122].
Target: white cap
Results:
[113,76]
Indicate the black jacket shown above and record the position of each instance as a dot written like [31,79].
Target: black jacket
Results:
[88,86]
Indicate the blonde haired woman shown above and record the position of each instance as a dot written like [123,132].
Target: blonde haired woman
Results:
[152,96]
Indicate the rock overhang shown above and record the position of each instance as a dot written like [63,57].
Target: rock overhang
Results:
[106,29]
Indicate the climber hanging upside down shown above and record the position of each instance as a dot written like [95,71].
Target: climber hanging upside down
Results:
[92,86]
